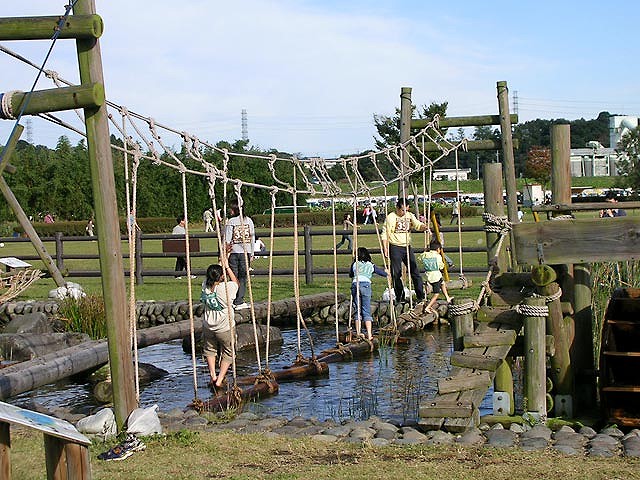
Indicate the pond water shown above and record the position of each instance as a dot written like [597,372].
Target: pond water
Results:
[390,383]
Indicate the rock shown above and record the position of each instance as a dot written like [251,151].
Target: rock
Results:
[30,323]
[533,443]
[632,447]
[567,450]
[26,346]
[362,433]
[409,433]
[501,438]
[379,442]
[588,432]
[338,431]
[271,423]
[472,438]
[440,438]
[325,438]
[386,434]
[613,432]
[538,431]
[516,428]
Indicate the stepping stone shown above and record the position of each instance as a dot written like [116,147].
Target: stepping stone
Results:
[533,443]
[501,438]
[473,438]
[538,431]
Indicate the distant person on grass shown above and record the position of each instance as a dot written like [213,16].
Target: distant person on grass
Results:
[362,269]
[181,261]
[217,295]
[433,264]
[347,226]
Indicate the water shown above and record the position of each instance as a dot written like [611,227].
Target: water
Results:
[390,384]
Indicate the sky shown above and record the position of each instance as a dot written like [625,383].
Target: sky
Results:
[312,73]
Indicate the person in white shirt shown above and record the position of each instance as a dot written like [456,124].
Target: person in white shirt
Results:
[240,238]
[181,261]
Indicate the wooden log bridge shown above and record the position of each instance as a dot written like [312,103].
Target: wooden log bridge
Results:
[299,370]
[346,352]
[40,371]
[235,396]
[455,406]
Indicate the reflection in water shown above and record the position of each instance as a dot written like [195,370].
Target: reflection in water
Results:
[390,384]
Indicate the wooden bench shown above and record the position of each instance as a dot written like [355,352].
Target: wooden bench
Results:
[177,245]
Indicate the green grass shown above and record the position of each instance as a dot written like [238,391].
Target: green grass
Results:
[230,455]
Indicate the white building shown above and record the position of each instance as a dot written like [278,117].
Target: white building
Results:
[596,160]
[451,174]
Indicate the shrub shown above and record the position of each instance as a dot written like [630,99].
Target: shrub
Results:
[83,315]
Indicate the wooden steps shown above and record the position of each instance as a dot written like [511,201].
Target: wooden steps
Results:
[456,406]
[620,359]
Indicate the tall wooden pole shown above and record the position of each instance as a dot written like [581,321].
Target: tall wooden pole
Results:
[405,133]
[494,204]
[535,383]
[106,208]
[507,152]
[582,351]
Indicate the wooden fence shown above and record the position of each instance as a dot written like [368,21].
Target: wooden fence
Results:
[148,244]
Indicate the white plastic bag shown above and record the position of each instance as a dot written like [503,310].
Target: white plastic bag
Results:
[144,421]
[101,425]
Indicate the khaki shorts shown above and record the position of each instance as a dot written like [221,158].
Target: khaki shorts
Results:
[214,343]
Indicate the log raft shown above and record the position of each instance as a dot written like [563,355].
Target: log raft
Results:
[297,371]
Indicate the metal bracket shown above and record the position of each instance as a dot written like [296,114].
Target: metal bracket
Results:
[501,403]
[540,250]
[563,406]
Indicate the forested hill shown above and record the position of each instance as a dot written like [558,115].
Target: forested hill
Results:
[58,181]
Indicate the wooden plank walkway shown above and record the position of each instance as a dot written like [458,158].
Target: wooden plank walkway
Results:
[455,407]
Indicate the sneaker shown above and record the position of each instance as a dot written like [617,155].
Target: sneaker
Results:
[241,306]
[133,443]
[119,452]
[178,278]
[193,276]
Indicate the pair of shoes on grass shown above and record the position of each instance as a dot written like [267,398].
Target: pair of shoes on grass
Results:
[124,449]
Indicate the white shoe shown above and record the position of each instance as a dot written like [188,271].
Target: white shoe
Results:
[193,276]
[241,306]
[178,278]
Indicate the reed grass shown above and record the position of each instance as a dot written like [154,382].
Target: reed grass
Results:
[84,315]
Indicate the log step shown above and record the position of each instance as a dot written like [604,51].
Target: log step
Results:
[443,408]
[490,339]
[468,381]
[475,361]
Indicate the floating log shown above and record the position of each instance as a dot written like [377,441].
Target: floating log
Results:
[228,400]
[348,352]
[297,371]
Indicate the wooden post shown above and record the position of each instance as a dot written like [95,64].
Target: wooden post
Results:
[507,152]
[461,325]
[58,99]
[59,251]
[107,222]
[139,267]
[582,351]
[561,371]
[308,257]
[560,164]
[535,370]
[405,133]
[43,28]
[66,460]
[5,450]
[31,233]
[494,204]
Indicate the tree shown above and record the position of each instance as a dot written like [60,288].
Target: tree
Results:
[538,165]
[630,165]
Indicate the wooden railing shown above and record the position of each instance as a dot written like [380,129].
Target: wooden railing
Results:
[61,244]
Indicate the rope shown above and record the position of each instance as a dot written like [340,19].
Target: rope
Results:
[132,189]
[532,310]
[458,309]
[549,298]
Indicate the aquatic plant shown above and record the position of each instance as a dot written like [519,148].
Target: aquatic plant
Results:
[83,315]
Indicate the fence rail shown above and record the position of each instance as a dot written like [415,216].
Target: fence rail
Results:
[61,245]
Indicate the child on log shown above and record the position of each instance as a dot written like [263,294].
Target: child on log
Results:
[217,297]
[433,264]
[362,269]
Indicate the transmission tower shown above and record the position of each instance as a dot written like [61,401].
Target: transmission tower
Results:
[29,131]
[245,129]
[515,102]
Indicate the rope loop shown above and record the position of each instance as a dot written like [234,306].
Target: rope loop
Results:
[532,310]
[457,310]
[496,224]
[6,110]
[550,298]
